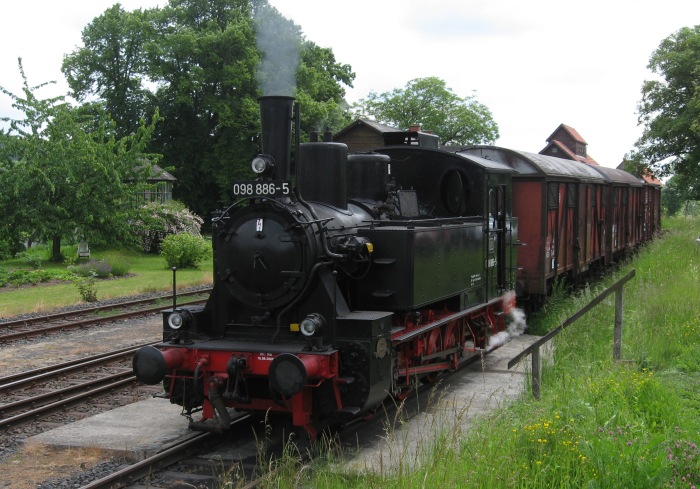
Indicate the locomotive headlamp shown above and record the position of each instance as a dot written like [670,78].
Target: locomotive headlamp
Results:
[312,324]
[263,164]
[175,320]
[180,318]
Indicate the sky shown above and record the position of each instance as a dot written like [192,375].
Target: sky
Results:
[535,64]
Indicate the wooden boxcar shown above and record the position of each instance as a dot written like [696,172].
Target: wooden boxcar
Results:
[623,193]
[561,211]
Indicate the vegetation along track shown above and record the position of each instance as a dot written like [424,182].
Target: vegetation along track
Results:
[18,329]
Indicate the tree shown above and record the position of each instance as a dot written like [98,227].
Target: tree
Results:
[670,110]
[320,79]
[202,61]
[112,65]
[429,103]
[64,172]
[678,197]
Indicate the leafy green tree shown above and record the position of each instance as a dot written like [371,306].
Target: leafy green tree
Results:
[63,171]
[111,64]
[678,196]
[202,63]
[320,92]
[670,110]
[429,103]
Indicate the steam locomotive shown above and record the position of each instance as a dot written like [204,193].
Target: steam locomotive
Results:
[359,279]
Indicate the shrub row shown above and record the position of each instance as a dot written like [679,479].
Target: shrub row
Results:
[22,276]
[93,268]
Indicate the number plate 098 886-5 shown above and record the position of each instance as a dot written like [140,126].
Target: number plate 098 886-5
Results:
[261,189]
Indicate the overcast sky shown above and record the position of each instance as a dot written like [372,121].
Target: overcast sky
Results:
[535,64]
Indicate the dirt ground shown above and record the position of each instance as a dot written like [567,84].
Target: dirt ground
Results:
[36,463]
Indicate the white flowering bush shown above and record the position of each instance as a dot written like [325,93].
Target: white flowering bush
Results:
[156,221]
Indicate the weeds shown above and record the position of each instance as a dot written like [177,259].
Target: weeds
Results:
[86,288]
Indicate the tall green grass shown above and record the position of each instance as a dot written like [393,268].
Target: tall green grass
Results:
[599,423]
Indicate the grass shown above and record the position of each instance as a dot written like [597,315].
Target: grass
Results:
[599,423]
[147,273]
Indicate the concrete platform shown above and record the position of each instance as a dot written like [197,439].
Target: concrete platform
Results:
[135,431]
[139,430]
[400,439]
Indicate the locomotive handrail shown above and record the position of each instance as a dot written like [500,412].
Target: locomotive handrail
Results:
[534,349]
[423,222]
[416,332]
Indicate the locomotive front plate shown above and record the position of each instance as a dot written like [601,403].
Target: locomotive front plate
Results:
[257,188]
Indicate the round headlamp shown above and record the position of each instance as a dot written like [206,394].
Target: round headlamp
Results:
[263,164]
[180,319]
[175,320]
[311,324]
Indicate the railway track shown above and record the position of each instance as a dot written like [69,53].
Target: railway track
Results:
[19,329]
[30,395]
[159,472]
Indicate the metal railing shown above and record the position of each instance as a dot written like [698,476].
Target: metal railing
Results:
[534,349]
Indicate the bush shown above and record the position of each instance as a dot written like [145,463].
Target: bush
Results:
[184,250]
[92,268]
[31,259]
[86,287]
[22,276]
[9,246]
[120,268]
[156,221]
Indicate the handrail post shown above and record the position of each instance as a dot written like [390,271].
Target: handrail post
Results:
[536,372]
[534,349]
[617,340]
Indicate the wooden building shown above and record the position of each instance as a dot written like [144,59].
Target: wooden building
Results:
[565,142]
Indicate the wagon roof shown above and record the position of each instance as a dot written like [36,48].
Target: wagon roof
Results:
[533,164]
[483,162]
[619,177]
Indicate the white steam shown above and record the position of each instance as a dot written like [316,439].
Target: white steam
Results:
[516,325]
[278,39]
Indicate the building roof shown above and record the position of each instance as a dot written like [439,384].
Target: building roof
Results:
[572,132]
[160,175]
[375,126]
[559,144]
[567,153]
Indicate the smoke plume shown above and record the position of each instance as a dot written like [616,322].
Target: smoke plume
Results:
[278,39]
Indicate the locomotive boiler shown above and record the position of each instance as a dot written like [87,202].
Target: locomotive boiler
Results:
[356,280]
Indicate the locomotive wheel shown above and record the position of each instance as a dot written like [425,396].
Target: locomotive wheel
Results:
[452,340]
[434,344]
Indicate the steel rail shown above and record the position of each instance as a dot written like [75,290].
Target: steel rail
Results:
[88,310]
[60,393]
[84,322]
[59,405]
[160,460]
[20,379]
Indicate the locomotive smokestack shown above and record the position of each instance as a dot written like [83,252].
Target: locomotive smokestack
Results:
[276,115]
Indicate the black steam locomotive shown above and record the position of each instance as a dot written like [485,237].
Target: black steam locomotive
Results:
[364,276]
